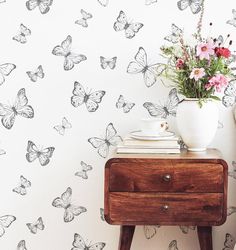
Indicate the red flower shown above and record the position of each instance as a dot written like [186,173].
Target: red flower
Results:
[179,63]
[221,51]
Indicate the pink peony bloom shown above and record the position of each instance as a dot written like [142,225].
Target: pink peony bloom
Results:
[197,73]
[218,81]
[179,63]
[205,50]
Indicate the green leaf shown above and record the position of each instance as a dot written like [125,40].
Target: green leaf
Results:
[215,98]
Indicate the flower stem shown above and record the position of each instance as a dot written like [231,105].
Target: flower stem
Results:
[199,25]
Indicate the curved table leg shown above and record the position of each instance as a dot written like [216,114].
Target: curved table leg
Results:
[126,236]
[205,238]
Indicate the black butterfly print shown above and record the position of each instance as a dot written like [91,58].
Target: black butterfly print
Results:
[232,21]
[173,245]
[5,222]
[130,28]
[195,5]
[166,109]
[5,70]
[44,5]
[64,202]
[185,229]
[149,2]
[21,245]
[85,168]
[233,173]
[175,35]
[34,75]
[62,127]
[70,58]
[85,16]
[103,145]
[123,104]
[140,65]
[90,100]
[229,242]
[110,62]
[231,210]
[19,108]
[150,231]
[43,155]
[24,32]
[33,227]
[21,188]
[229,98]
[104,3]
[102,214]
[79,243]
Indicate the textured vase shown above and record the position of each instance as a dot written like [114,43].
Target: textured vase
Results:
[197,125]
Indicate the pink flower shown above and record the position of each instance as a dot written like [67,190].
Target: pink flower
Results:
[197,73]
[205,50]
[218,81]
[179,63]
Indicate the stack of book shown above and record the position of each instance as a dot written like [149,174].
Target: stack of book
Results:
[163,146]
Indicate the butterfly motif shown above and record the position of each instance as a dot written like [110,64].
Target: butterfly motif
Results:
[70,58]
[5,222]
[232,21]
[21,245]
[233,173]
[229,97]
[150,231]
[122,24]
[85,16]
[2,1]
[33,227]
[43,155]
[140,65]
[166,109]
[34,75]
[229,242]
[65,202]
[24,32]
[85,168]
[80,97]
[44,5]
[102,214]
[111,63]
[122,103]
[185,229]
[62,127]
[2,152]
[231,210]
[173,245]
[5,70]
[104,3]
[103,145]
[220,125]
[79,243]
[195,5]
[175,35]
[20,108]
[21,188]
[149,2]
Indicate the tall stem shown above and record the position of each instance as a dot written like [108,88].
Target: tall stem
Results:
[199,24]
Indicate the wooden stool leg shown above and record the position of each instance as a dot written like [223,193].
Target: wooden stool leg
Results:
[126,236]
[205,237]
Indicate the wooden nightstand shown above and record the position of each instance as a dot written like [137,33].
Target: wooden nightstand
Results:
[185,189]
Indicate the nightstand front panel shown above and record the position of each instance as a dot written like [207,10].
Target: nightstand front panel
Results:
[166,176]
[165,209]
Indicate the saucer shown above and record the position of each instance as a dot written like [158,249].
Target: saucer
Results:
[139,135]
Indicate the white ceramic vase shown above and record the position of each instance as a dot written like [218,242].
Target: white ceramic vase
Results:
[197,125]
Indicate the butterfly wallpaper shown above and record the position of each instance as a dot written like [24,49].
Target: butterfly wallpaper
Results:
[75,78]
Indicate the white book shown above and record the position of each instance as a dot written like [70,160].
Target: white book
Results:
[170,142]
[138,150]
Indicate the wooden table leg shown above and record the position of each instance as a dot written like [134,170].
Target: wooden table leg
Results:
[126,236]
[205,237]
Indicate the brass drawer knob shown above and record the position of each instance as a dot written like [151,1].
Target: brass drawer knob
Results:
[167,178]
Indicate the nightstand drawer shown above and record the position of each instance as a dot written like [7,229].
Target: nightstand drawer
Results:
[166,176]
[165,209]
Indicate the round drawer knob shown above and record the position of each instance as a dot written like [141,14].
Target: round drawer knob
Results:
[167,177]
[165,207]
